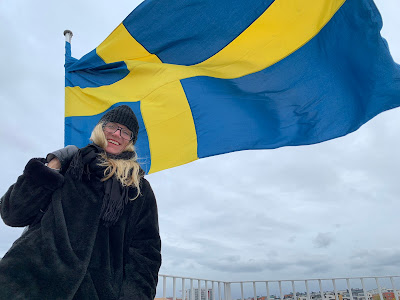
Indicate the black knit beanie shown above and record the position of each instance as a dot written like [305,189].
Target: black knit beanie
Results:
[125,116]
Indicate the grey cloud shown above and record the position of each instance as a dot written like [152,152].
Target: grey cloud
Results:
[235,264]
[227,259]
[309,264]
[323,240]
[377,259]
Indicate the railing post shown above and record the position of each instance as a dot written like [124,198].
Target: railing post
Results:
[191,290]
[174,287]
[255,291]
[199,288]
[241,290]
[349,287]
[307,289]
[379,287]
[294,291]
[164,290]
[183,289]
[213,290]
[206,288]
[394,289]
[364,290]
[227,291]
[335,289]
[320,289]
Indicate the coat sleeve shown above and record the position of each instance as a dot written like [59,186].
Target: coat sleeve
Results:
[143,260]
[25,200]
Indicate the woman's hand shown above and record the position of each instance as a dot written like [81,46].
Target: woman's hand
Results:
[54,164]
[61,158]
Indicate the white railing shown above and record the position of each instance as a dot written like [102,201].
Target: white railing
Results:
[352,288]
[190,285]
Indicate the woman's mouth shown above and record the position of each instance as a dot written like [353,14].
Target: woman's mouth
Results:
[113,142]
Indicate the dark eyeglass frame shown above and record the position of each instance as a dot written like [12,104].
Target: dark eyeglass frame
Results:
[118,128]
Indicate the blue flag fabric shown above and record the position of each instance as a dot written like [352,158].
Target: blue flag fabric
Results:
[205,80]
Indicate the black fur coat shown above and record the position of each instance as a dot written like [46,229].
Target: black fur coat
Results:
[67,253]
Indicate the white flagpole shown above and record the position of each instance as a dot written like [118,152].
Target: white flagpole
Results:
[68,35]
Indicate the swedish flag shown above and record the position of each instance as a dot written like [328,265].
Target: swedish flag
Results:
[207,77]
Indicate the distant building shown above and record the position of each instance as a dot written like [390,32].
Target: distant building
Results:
[197,295]
[386,296]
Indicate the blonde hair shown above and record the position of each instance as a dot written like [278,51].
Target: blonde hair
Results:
[125,170]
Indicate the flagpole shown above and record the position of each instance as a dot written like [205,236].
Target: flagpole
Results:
[68,35]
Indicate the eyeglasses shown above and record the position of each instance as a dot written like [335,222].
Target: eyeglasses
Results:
[112,128]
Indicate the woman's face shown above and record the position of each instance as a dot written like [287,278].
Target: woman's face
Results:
[116,136]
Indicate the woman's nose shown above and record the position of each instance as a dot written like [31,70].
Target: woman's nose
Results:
[117,132]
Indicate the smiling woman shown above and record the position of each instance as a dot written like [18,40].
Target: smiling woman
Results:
[267,206]
[87,238]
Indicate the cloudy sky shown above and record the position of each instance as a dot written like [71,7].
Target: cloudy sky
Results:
[326,210]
